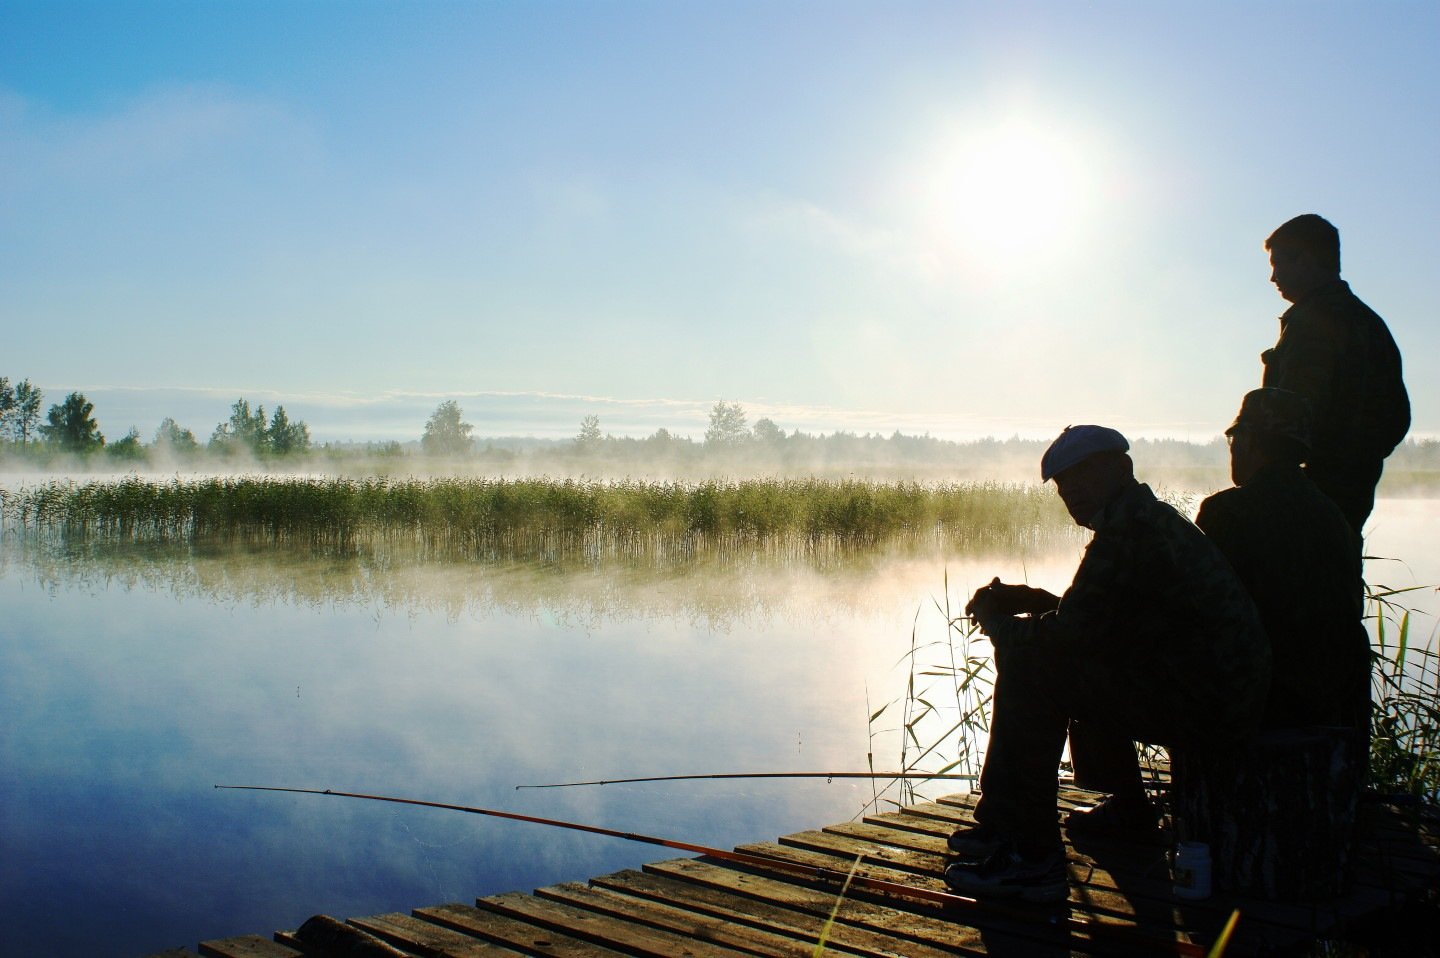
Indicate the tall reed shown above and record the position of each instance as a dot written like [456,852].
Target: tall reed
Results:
[1405,710]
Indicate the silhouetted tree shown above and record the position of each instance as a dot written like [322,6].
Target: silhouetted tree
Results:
[243,430]
[70,426]
[127,447]
[284,437]
[7,405]
[445,432]
[589,436]
[767,432]
[172,437]
[25,413]
[727,425]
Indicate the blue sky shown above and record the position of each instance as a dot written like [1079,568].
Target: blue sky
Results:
[953,217]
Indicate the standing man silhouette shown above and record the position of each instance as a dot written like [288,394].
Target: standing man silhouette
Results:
[1337,353]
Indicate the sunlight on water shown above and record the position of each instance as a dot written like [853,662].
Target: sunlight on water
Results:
[133,681]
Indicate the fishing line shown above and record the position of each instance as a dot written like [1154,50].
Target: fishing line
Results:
[944,898]
[828,776]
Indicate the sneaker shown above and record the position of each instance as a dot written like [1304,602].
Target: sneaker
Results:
[1114,818]
[1008,874]
[975,843]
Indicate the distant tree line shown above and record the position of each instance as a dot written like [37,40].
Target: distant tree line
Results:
[69,427]
[730,445]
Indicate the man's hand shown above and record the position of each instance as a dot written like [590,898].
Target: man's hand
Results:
[997,599]
[984,607]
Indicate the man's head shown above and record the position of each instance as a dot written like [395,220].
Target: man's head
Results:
[1090,467]
[1273,426]
[1304,255]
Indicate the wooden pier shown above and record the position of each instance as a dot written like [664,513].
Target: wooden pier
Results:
[1120,903]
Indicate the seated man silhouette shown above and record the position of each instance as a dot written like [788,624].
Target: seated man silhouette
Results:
[1154,640]
[1299,559]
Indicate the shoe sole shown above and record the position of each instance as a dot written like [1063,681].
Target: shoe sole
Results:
[1044,894]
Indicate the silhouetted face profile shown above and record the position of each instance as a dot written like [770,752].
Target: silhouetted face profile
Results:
[1296,272]
[1245,458]
[1089,485]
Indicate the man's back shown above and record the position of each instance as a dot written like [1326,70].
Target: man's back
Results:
[1338,353]
[1300,560]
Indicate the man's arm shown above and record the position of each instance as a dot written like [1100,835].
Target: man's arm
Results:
[1088,615]
[1312,350]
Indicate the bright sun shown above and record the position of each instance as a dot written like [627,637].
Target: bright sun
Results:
[1009,194]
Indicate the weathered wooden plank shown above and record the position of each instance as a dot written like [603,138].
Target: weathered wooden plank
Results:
[862,927]
[1264,921]
[902,838]
[932,866]
[1107,914]
[522,936]
[324,935]
[1128,869]
[1137,872]
[1120,900]
[623,935]
[246,946]
[426,938]
[1094,911]
[888,856]
[672,917]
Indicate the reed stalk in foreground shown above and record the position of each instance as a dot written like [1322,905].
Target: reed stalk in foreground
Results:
[939,672]
[1405,712]
[1405,717]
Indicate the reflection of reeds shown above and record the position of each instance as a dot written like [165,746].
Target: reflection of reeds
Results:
[539,517]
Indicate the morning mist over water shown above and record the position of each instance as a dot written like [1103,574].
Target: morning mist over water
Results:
[135,677]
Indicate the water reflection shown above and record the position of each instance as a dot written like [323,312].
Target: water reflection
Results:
[132,680]
[706,591]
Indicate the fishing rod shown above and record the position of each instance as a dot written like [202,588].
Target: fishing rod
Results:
[813,872]
[828,776]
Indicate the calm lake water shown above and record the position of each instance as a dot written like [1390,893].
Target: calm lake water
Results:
[132,682]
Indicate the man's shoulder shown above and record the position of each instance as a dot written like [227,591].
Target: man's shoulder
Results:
[1222,505]
[1149,517]
[1336,306]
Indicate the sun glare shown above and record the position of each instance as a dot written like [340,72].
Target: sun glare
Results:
[1009,194]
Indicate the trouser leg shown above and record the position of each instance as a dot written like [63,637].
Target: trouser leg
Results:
[1105,761]
[1027,736]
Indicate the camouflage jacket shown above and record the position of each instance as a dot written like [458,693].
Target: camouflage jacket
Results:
[1155,609]
[1335,351]
[1300,560]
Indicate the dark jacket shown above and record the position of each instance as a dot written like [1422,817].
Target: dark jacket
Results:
[1155,610]
[1300,561]
[1336,352]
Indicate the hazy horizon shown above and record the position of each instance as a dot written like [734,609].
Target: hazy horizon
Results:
[401,416]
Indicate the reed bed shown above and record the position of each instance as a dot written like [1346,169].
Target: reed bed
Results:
[538,517]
